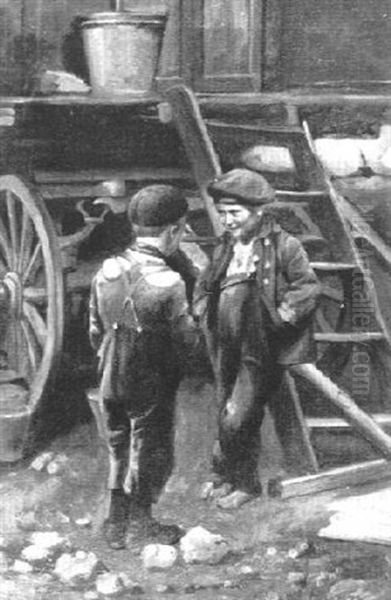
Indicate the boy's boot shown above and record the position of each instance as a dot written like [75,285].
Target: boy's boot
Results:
[115,524]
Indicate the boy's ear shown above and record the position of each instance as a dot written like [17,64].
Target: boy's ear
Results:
[174,228]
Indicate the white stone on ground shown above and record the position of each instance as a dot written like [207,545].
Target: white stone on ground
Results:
[91,595]
[36,554]
[201,546]
[41,461]
[159,556]
[21,566]
[109,584]
[51,540]
[57,465]
[74,569]
[3,562]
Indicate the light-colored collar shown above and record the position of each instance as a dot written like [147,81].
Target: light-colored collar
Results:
[149,241]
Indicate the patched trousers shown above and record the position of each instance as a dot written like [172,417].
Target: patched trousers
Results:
[141,449]
[247,374]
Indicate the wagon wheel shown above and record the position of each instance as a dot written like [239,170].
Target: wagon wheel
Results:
[31,286]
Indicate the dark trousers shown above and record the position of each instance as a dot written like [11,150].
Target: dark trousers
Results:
[141,448]
[247,374]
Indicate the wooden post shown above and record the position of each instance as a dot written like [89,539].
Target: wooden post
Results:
[303,425]
[360,420]
[198,145]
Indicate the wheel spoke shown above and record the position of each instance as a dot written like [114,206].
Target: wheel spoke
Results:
[26,239]
[5,245]
[3,266]
[36,295]
[36,322]
[31,345]
[11,208]
[32,266]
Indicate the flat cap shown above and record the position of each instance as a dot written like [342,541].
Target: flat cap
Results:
[242,186]
[157,205]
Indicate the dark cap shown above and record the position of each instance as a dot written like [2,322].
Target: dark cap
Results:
[157,205]
[243,187]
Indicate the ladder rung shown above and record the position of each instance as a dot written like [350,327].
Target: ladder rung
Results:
[353,338]
[331,267]
[301,195]
[334,423]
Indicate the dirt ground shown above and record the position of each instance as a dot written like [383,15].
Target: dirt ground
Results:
[276,553]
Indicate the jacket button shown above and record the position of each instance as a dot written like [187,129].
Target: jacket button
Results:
[267,264]
[267,242]
[266,281]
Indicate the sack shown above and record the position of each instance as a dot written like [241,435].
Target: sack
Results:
[119,347]
[126,347]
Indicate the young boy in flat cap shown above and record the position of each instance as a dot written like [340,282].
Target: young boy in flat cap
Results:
[139,316]
[260,294]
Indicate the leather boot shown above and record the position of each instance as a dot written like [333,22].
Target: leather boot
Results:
[143,527]
[114,528]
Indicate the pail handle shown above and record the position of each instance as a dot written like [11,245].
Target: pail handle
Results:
[118,5]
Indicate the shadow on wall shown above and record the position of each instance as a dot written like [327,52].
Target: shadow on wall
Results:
[73,55]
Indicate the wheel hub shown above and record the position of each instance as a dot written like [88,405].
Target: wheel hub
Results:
[11,293]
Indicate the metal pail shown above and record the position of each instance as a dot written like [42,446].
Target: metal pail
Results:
[122,51]
[15,417]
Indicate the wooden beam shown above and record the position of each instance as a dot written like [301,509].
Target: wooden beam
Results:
[335,423]
[98,175]
[198,146]
[302,421]
[359,337]
[360,421]
[362,229]
[351,475]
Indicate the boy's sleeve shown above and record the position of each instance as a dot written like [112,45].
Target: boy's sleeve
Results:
[95,329]
[301,296]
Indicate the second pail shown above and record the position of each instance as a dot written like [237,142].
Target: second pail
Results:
[122,51]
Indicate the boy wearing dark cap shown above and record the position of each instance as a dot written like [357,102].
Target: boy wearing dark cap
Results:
[139,316]
[260,293]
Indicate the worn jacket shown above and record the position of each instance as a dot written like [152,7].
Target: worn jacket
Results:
[284,279]
[139,324]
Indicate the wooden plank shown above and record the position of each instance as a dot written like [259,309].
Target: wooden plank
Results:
[287,130]
[351,475]
[350,338]
[133,100]
[302,98]
[302,421]
[335,423]
[332,266]
[98,175]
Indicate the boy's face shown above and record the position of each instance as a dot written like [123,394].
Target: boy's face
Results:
[233,216]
